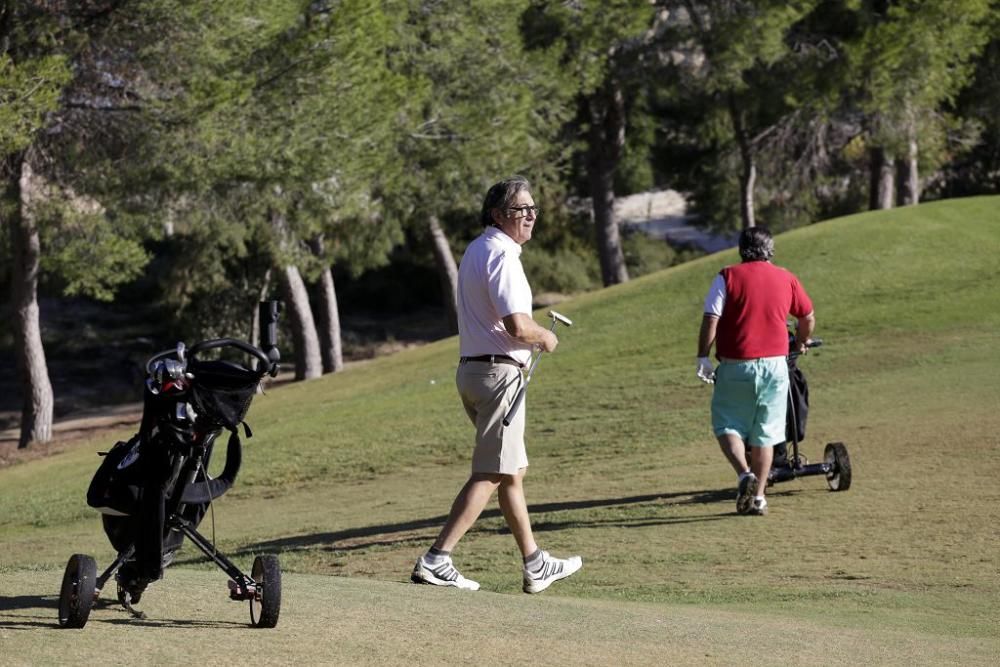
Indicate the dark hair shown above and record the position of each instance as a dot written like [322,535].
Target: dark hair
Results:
[501,196]
[756,244]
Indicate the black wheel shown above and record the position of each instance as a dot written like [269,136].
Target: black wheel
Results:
[266,603]
[839,477]
[79,587]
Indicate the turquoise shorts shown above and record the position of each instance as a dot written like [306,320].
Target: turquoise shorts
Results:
[750,400]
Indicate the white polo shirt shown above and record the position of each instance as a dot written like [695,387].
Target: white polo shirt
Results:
[491,285]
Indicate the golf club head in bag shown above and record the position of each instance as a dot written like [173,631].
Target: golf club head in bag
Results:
[557,318]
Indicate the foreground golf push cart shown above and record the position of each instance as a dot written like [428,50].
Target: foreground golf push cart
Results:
[836,464]
[153,490]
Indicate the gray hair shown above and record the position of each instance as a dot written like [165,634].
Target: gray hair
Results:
[756,244]
[501,196]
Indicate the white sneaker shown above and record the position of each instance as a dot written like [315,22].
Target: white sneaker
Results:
[745,493]
[551,571]
[441,574]
[759,507]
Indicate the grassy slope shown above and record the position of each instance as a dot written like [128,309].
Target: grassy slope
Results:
[352,474]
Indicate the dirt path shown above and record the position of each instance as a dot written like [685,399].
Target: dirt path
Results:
[69,430]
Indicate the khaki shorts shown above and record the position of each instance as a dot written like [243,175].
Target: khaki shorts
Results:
[487,391]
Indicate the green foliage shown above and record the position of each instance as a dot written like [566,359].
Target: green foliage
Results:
[28,90]
[635,170]
[590,37]
[285,115]
[89,254]
[646,255]
[562,270]
[481,106]
[741,81]
[906,62]
[737,37]
[978,170]
[917,53]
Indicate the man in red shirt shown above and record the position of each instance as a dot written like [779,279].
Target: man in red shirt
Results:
[745,318]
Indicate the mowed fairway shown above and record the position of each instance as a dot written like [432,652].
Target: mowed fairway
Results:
[351,475]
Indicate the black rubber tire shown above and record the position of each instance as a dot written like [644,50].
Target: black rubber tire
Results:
[79,588]
[839,477]
[265,607]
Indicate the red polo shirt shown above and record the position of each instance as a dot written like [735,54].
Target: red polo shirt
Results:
[759,298]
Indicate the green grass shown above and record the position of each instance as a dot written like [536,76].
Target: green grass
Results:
[352,474]
[352,621]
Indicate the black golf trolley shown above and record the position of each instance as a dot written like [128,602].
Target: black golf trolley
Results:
[153,490]
[836,464]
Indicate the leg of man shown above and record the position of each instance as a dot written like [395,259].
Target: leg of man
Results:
[732,417]
[769,422]
[515,511]
[760,465]
[468,505]
[734,448]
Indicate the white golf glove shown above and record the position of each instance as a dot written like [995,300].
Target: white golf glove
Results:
[706,372]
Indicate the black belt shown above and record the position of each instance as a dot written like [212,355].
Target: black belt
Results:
[494,359]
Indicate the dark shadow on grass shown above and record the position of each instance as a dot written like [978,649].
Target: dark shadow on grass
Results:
[45,603]
[396,534]
[33,621]
[22,602]
[12,602]
[176,623]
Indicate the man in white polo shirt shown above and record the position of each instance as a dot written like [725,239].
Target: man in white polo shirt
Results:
[496,337]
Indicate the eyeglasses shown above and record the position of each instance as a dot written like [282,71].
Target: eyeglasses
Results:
[524,210]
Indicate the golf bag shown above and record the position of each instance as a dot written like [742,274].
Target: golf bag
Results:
[798,406]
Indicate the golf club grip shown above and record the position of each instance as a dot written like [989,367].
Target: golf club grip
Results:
[509,417]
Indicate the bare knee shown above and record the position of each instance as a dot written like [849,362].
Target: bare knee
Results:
[495,479]
[514,480]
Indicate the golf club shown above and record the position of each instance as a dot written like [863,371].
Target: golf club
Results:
[557,318]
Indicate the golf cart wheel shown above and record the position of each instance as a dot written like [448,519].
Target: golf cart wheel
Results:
[266,603]
[79,587]
[839,477]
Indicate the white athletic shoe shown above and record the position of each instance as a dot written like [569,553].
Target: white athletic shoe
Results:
[441,574]
[551,571]
[745,493]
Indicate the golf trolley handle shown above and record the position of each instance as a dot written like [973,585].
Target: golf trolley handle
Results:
[243,346]
[815,342]
[182,354]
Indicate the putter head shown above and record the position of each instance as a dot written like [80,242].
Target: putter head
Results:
[562,319]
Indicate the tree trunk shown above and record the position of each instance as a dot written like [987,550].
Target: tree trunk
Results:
[749,176]
[36,389]
[308,364]
[909,174]
[331,346]
[606,144]
[883,180]
[447,270]
[327,313]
